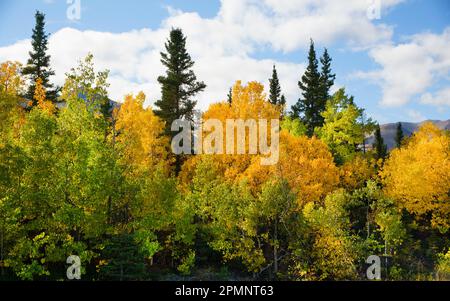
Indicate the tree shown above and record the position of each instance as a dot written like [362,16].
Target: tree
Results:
[399,135]
[180,84]
[123,259]
[40,99]
[378,146]
[38,65]
[11,80]
[140,142]
[311,105]
[334,252]
[274,88]
[230,96]
[343,130]
[326,77]
[417,176]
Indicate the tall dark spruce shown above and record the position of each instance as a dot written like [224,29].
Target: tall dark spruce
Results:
[180,84]
[274,88]
[311,105]
[326,76]
[38,64]
[379,147]
[399,135]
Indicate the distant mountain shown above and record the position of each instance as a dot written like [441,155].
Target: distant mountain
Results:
[389,130]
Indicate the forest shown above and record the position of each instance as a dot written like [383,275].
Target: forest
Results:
[83,175]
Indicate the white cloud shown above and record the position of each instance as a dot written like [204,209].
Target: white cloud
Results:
[222,46]
[409,69]
[440,98]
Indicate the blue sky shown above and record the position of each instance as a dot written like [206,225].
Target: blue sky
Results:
[378,61]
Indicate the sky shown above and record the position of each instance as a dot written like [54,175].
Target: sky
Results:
[393,56]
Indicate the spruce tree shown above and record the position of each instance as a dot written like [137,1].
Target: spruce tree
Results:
[311,105]
[180,84]
[275,89]
[282,100]
[399,135]
[378,145]
[326,76]
[230,96]
[38,65]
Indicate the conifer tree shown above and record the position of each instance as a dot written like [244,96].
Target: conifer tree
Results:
[311,105]
[399,135]
[274,88]
[326,76]
[180,84]
[379,146]
[38,65]
[230,96]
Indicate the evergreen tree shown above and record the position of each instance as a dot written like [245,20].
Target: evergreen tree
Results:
[326,77]
[38,65]
[311,105]
[399,135]
[275,89]
[230,96]
[282,100]
[179,84]
[379,146]
[125,261]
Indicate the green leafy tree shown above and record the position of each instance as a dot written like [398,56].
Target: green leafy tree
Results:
[343,130]
[334,253]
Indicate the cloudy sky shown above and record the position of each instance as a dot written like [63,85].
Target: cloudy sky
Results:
[392,55]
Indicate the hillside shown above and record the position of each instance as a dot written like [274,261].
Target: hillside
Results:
[388,130]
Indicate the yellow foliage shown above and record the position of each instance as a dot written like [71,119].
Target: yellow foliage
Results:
[354,174]
[40,97]
[304,162]
[140,136]
[417,175]
[11,81]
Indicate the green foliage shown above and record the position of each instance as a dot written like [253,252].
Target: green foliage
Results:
[343,130]
[294,126]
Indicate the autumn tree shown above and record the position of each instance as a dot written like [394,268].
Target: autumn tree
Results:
[416,176]
[11,80]
[38,65]
[40,98]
